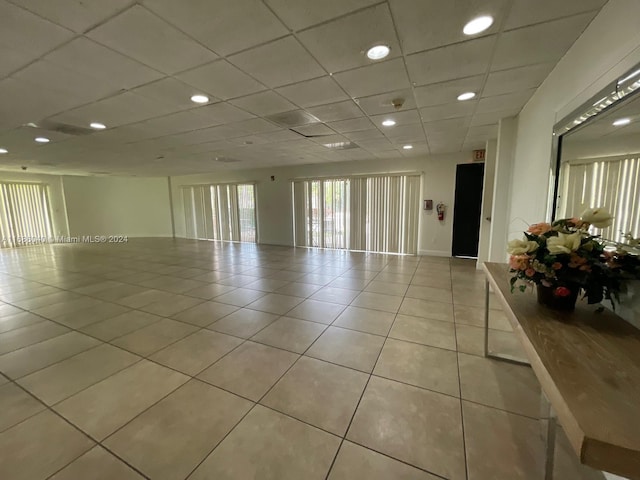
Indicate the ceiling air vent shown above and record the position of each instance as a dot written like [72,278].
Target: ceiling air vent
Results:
[64,128]
[294,118]
[340,145]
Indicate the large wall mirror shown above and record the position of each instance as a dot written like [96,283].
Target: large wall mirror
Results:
[597,160]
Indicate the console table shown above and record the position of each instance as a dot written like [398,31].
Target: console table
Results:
[588,366]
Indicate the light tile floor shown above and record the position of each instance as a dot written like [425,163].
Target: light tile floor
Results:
[174,359]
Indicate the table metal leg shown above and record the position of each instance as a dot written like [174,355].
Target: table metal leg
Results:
[549,416]
[487,353]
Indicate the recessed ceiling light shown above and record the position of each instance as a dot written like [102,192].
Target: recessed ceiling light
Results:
[199,99]
[622,121]
[98,126]
[466,96]
[407,147]
[389,123]
[42,139]
[478,25]
[378,52]
[4,150]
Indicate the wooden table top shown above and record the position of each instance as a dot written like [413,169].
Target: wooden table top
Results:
[588,365]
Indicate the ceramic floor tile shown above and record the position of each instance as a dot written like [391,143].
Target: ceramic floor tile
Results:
[414,425]
[154,337]
[387,288]
[18,320]
[205,314]
[68,377]
[348,348]
[354,461]
[243,323]
[34,357]
[427,309]
[290,334]
[97,464]
[250,370]
[63,308]
[172,305]
[106,406]
[16,405]
[275,303]
[439,281]
[29,335]
[350,283]
[475,316]
[378,301]
[302,290]
[502,385]
[266,284]
[271,446]
[335,295]
[171,438]
[207,292]
[87,316]
[365,320]
[471,340]
[240,297]
[427,367]
[141,299]
[318,393]
[430,332]
[39,447]
[196,352]
[316,311]
[120,325]
[430,293]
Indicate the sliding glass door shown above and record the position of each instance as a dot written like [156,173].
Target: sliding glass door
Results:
[220,212]
[376,214]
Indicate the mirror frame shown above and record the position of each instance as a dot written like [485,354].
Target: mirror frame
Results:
[609,97]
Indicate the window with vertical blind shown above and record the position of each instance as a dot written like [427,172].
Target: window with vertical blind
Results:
[220,212]
[376,213]
[25,214]
[613,184]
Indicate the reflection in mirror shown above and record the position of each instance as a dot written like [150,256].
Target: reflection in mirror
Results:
[600,167]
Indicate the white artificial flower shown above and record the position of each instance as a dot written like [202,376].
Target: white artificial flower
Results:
[564,243]
[519,247]
[598,217]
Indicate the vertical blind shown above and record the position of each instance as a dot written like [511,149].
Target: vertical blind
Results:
[611,184]
[376,214]
[25,214]
[220,212]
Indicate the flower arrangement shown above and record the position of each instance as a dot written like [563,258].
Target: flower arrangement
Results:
[566,259]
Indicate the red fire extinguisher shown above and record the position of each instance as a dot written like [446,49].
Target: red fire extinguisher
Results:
[440,210]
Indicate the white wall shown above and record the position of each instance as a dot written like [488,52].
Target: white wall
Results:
[274,198]
[56,196]
[133,206]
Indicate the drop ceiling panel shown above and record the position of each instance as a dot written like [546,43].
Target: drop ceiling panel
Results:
[384,103]
[546,42]
[403,117]
[318,91]
[452,62]
[299,14]
[342,44]
[510,101]
[17,51]
[525,12]
[314,129]
[278,63]
[143,36]
[77,15]
[490,118]
[516,79]
[264,103]
[360,135]
[222,80]
[224,113]
[447,92]
[447,111]
[171,92]
[336,111]
[405,133]
[374,79]
[353,125]
[114,111]
[244,23]
[87,57]
[447,127]
[429,24]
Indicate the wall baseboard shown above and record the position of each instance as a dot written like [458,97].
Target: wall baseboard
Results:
[434,253]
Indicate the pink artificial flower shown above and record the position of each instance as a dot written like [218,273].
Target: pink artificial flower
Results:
[556,266]
[540,228]
[519,262]
[529,272]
